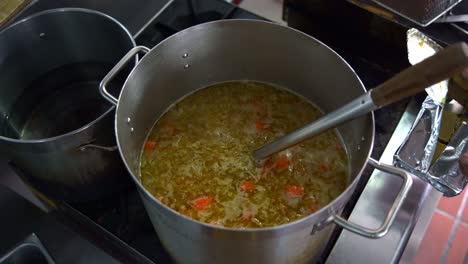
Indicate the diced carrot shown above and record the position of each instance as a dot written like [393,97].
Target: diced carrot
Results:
[247,186]
[324,167]
[295,191]
[150,145]
[260,125]
[202,203]
[282,163]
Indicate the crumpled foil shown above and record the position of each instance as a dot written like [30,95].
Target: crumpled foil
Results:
[420,47]
[445,175]
[416,151]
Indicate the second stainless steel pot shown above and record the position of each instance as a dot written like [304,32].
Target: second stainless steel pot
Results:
[54,125]
[243,50]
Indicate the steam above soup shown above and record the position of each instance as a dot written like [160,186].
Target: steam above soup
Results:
[197,158]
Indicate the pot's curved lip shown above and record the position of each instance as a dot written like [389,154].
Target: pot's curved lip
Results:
[111,108]
[248,230]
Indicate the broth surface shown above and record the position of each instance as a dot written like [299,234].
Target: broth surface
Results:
[197,158]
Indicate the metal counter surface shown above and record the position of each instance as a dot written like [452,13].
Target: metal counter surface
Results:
[403,238]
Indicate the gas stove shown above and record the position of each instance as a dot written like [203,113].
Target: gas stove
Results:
[119,224]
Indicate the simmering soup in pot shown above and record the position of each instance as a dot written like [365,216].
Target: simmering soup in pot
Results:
[197,159]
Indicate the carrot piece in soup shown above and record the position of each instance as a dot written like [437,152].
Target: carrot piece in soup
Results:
[247,186]
[282,163]
[260,125]
[149,145]
[294,191]
[202,203]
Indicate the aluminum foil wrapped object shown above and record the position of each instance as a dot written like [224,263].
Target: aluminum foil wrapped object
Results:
[416,151]
[445,175]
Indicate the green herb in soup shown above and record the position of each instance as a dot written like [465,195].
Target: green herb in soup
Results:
[197,159]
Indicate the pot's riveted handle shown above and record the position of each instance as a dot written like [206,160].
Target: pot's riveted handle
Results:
[117,68]
[383,229]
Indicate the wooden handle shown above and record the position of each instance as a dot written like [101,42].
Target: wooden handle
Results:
[442,65]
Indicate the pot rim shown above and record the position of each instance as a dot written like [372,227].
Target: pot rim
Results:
[303,220]
[111,107]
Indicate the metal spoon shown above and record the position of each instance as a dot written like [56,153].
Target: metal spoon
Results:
[443,65]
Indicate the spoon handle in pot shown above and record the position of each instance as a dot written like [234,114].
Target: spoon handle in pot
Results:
[441,66]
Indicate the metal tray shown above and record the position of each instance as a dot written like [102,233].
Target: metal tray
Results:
[422,12]
[30,250]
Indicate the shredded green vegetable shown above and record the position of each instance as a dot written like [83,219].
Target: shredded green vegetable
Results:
[197,159]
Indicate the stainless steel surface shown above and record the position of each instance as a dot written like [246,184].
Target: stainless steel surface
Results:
[30,250]
[95,232]
[160,79]
[392,213]
[445,174]
[10,180]
[49,104]
[426,208]
[63,244]
[420,12]
[150,21]
[115,70]
[452,19]
[375,200]
[356,108]
[459,27]
[31,215]
[132,14]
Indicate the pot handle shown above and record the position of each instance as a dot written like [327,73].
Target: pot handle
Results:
[117,68]
[383,229]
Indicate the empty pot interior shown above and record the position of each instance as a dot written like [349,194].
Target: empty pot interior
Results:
[50,71]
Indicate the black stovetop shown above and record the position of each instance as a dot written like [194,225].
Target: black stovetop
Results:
[121,221]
